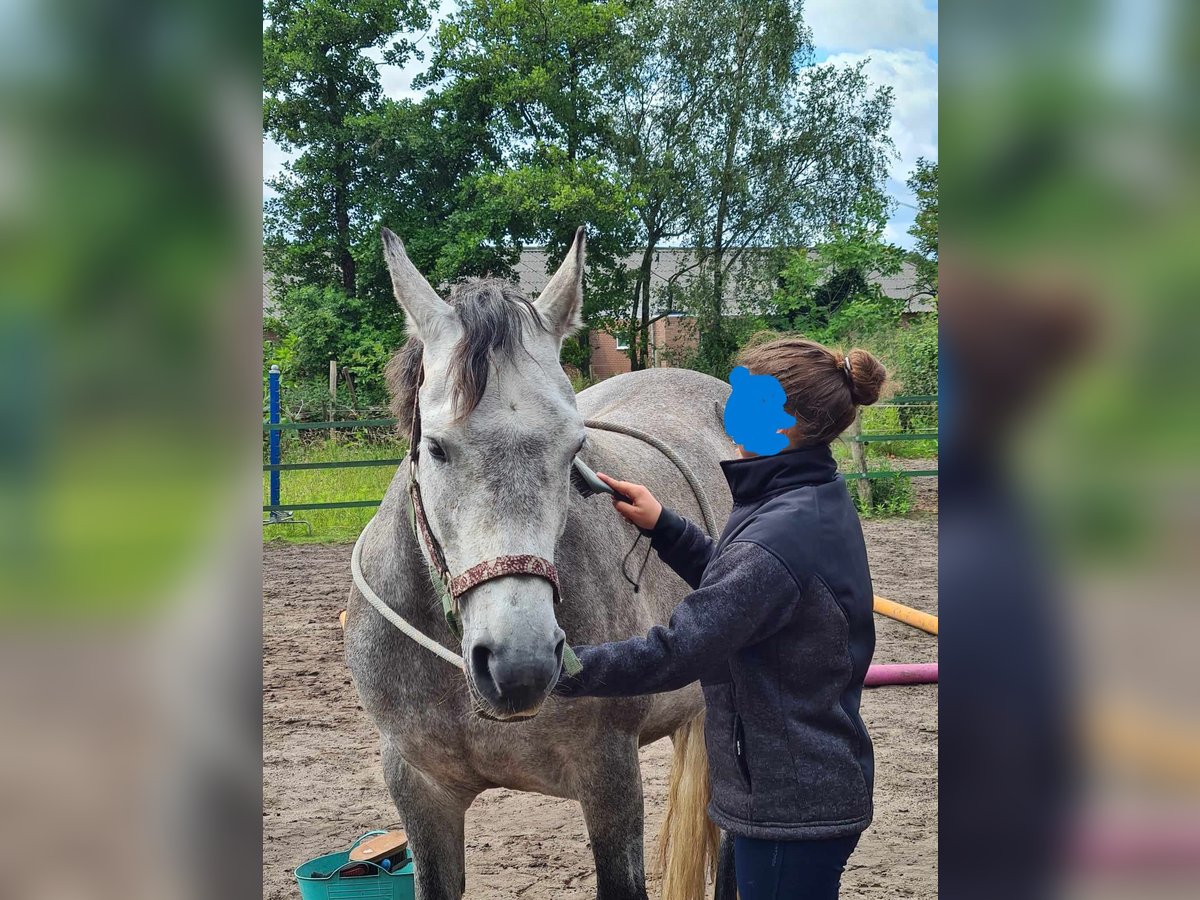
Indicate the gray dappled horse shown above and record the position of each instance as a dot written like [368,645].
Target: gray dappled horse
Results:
[500,425]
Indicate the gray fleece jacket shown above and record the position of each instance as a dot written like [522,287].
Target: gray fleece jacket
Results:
[779,631]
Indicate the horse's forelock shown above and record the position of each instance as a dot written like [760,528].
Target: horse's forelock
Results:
[492,315]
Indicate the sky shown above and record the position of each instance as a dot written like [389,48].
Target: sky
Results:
[898,37]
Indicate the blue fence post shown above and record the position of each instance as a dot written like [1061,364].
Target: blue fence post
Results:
[273,437]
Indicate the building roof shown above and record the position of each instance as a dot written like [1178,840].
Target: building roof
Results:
[667,262]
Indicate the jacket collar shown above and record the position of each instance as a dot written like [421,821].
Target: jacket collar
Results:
[758,476]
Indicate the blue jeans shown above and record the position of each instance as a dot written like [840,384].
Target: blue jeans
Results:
[790,870]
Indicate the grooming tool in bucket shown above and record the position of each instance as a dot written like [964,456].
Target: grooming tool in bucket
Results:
[377,866]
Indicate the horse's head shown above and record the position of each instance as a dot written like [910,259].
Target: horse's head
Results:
[499,429]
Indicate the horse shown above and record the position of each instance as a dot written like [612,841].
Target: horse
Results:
[497,425]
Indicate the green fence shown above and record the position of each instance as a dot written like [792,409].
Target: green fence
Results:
[351,424]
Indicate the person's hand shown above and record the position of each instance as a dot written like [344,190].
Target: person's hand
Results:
[644,511]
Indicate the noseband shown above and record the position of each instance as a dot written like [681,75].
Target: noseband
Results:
[480,573]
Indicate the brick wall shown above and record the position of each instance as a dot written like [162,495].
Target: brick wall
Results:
[672,339]
[675,338]
[607,360]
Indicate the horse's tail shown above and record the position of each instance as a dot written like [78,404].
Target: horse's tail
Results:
[687,842]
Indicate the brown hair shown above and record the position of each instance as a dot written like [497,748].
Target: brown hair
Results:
[823,386]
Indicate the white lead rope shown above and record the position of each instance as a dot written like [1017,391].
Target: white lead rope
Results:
[390,614]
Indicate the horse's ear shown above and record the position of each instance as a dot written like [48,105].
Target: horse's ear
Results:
[561,302]
[428,314]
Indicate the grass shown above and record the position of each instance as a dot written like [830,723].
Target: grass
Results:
[895,420]
[330,485]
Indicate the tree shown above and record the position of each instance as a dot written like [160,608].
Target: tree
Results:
[543,69]
[785,148]
[320,90]
[832,292]
[726,134]
[653,123]
[653,142]
[428,166]
[923,182]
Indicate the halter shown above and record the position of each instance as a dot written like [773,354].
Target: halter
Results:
[454,586]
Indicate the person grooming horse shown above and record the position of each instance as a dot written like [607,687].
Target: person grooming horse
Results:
[778,628]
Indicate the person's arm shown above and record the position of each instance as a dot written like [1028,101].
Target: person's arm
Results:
[747,595]
[680,544]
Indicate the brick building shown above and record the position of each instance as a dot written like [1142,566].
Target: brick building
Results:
[674,335]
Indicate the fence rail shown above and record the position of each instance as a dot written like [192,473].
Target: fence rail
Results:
[273,430]
[344,423]
[342,464]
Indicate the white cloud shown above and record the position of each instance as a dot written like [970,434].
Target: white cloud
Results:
[913,77]
[851,25]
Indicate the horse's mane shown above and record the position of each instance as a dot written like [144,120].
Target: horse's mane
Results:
[490,312]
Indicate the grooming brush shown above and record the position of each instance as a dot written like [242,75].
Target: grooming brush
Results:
[588,483]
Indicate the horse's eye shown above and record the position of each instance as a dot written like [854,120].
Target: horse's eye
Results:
[435,450]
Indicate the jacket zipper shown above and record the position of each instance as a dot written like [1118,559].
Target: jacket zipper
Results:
[739,739]
[739,746]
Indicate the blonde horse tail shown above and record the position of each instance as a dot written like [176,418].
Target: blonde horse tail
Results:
[687,842]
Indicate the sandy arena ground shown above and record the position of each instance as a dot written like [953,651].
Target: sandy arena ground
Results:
[322,784]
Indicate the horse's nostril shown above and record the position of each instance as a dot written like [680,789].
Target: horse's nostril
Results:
[481,665]
[514,679]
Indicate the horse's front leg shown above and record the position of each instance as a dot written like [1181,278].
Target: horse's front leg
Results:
[610,791]
[433,815]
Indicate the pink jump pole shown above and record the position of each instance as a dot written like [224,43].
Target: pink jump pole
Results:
[905,673]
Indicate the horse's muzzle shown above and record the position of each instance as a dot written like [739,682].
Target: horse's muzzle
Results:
[513,683]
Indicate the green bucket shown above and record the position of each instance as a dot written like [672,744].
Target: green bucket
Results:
[319,879]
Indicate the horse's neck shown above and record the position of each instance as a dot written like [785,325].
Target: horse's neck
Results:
[412,593]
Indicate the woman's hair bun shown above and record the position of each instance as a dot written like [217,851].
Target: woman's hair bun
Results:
[867,377]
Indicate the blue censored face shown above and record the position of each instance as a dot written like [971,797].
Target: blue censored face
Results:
[754,412]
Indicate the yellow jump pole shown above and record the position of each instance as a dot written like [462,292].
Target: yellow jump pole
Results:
[906,614]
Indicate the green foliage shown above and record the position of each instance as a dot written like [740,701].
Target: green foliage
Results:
[281,352]
[576,351]
[540,65]
[889,497]
[924,184]
[581,383]
[543,71]
[320,94]
[716,359]
[831,293]
[887,419]
[327,324]
[786,149]
[911,354]
[706,122]
[914,355]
